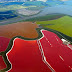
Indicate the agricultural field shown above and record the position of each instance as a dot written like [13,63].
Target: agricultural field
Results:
[63,24]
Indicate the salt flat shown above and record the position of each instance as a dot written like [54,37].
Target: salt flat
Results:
[27,12]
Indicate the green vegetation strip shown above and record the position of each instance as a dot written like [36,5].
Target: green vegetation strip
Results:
[63,25]
[46,17]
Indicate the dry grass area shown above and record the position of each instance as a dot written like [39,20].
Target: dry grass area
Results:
[25,29]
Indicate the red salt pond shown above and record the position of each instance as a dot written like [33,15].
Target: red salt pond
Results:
[26,57]
[3,43]
[43,55]
[58,55]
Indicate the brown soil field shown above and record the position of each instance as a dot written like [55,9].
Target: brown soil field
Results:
[25,29]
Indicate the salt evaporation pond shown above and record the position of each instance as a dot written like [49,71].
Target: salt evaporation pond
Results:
[7,15]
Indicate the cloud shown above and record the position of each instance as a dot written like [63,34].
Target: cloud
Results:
[42,0]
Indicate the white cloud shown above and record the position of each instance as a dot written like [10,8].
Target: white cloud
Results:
[42,0]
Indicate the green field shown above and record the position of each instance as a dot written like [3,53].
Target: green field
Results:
[63,24]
